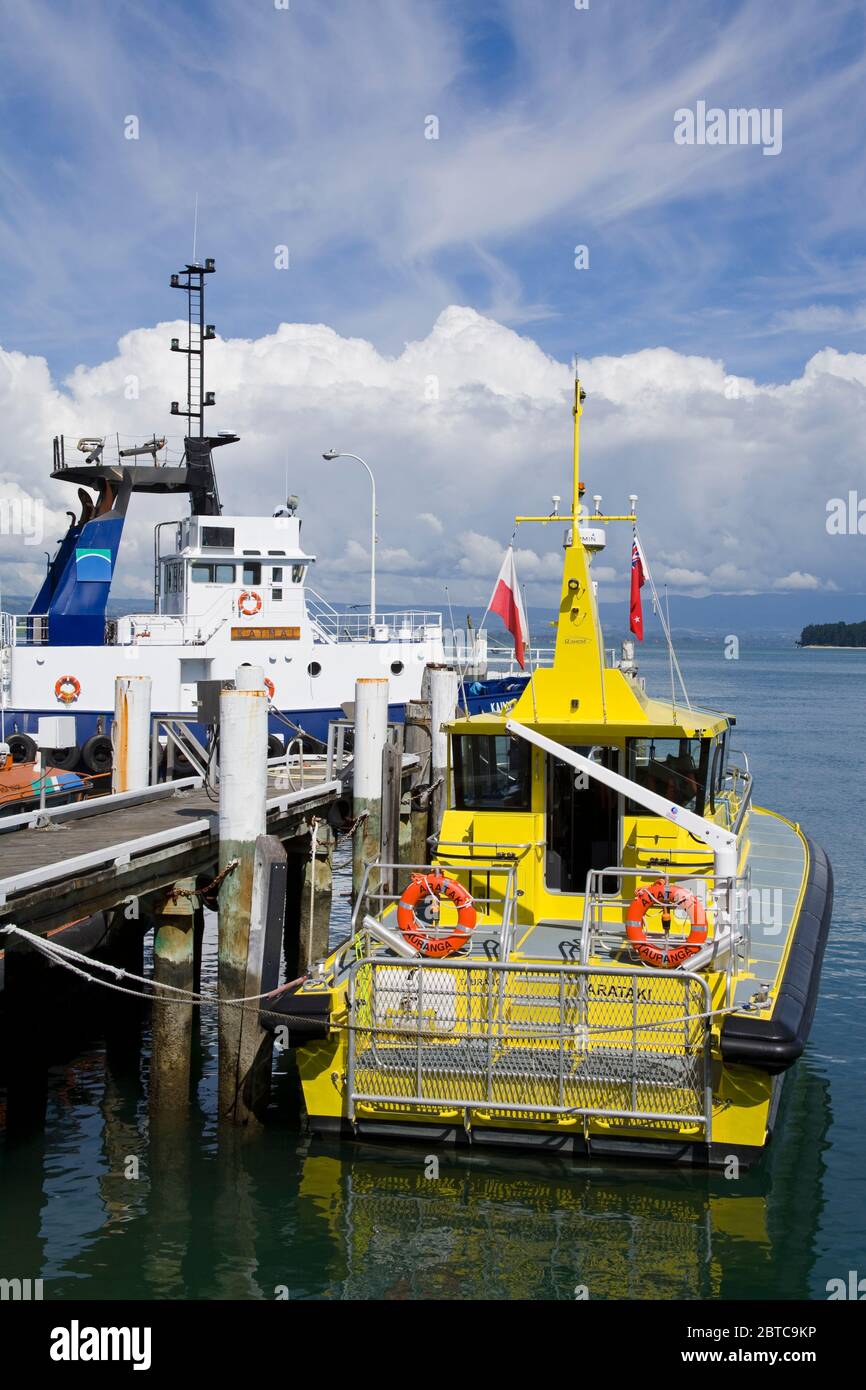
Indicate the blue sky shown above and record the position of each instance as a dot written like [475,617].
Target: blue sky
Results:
[721,317]
[305,127]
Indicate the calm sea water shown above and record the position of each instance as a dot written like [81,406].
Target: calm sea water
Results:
[212,1217]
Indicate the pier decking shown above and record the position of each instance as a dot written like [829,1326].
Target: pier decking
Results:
[86,857]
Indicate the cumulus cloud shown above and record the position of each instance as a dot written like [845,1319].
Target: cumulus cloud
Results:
[797,580]
[733,488]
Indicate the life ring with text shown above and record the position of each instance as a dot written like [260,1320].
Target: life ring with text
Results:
[249,603]
[662,953]
[67,689]
[269,687]
[427,936]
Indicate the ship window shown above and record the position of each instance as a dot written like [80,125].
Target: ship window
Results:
[277,595]
[675,768]
[276,552]
[252,574]
[213,574]
[491,773]
[298,572]
[277,574]
[173,579]
[217,536]
[718,768]
[252,552]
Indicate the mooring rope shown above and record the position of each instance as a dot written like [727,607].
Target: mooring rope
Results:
[66,957]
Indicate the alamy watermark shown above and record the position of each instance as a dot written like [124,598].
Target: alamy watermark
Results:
[23,516]
[738,125]
[846,516]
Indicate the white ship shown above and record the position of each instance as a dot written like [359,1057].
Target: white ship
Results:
[227,590]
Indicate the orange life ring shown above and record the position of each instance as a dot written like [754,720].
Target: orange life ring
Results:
[269,687]
[67,689]
[429,940]
[254,599]
[667,896]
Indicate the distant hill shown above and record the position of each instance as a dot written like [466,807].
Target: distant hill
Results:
[834,635]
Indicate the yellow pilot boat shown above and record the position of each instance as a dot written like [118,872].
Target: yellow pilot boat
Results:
[613,950]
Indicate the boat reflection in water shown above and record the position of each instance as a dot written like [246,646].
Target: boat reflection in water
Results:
[290,1217]
[513,1228]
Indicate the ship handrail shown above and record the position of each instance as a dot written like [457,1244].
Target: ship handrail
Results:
[11,626]
[409,1051]
[735,894]
[409,624]
[504,900]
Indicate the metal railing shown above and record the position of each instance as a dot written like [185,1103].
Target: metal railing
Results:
[496,902]
[727,902]
[24,629]
[341,744]
[410,625]
[532,1042]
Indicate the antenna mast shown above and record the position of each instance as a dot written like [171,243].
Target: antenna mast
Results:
[192,281]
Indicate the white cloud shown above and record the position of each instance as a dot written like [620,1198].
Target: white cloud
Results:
[733,492]
[797,580]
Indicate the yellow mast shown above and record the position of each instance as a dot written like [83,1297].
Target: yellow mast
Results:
[577,486]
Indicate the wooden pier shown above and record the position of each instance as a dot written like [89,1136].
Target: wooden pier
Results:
[98,875]
[93,855]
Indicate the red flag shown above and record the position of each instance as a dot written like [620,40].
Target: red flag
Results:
[638,579]
[506,601]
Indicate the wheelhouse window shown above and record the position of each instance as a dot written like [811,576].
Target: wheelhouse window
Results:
[298,572]
[174,578]
[718,765]
[675,768]
[252,573]
[212,574]
[218,537]
[491,773]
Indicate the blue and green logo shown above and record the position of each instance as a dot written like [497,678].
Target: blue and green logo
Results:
[92,564]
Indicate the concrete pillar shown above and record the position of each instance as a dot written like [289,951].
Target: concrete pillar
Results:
[243,788]
[171,1026]
[440,687]
[130,734]
[371,732]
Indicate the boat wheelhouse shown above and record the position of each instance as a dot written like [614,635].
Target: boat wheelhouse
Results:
[227,589]
[614,950]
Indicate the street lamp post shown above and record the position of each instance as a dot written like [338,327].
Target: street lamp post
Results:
[329,457]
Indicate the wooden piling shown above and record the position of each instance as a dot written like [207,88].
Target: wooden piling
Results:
[124,1016]
[267,913]
[315,898]
[26,1033]
[389,840]
[171,1028]
[243,786]
[371,732]
[440,687]
[416,740]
